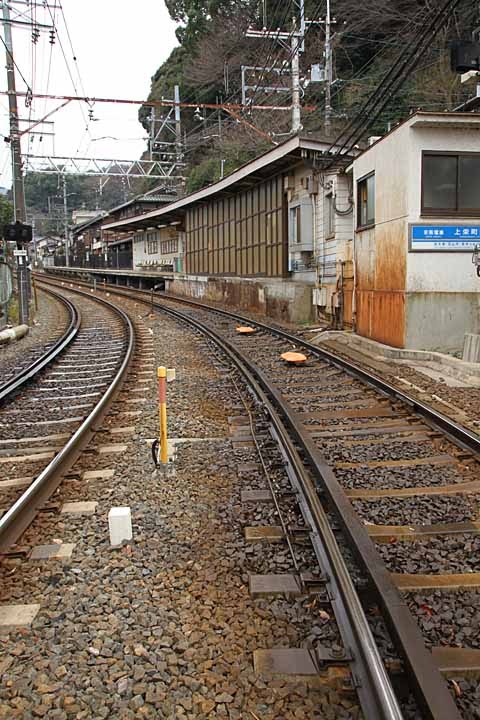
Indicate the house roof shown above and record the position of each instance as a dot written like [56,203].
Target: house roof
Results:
[85,225]
[274,161]
[427,119]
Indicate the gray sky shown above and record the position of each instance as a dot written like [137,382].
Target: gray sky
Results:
[118,45]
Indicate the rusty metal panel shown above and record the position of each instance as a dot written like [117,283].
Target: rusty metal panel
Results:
[388,317]
[381,281]
[363,311]
[391,256]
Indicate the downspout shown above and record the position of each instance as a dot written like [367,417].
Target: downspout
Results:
[314,245]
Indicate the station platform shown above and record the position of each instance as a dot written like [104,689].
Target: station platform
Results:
[114,273]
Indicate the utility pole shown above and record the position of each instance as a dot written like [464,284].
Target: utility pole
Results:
[178,124]
[329,72]
[23,277]
[294,50]
[65,222]
[301,6]
[296,109]
[152,131]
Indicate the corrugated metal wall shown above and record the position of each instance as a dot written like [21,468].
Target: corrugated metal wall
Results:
[242,235]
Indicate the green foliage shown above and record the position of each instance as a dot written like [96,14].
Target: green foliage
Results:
[6,211]
[209,170]
[44,197]
[203,174]
[13,312]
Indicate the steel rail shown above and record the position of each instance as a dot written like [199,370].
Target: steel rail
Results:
[460,435]
[21,514]
[9,387]
[373,684]
[430,689]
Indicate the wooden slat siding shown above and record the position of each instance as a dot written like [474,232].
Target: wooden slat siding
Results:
[244,235]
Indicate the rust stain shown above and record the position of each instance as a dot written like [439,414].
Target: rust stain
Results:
[381,284]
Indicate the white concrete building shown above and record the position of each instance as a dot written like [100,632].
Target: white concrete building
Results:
[159,248]
[320,229]
[417,221]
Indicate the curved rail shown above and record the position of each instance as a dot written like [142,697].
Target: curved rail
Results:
[375,690]
[21,514]
[461,435]
[430,689]
[467,439]
[9,387]
[378,698]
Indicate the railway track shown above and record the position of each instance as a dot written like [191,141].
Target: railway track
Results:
[22,369]
[350,439]
[50,410]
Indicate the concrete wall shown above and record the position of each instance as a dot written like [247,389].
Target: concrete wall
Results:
[280,299]
[443,290]
[380,251]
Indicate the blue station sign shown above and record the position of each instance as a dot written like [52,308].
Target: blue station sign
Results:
[455,238]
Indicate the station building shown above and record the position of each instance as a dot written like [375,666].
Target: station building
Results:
[417,222]
[379,242]
[252,239]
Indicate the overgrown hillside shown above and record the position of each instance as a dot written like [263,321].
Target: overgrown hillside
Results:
[367,41]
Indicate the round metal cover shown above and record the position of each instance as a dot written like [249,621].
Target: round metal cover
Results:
[6,283]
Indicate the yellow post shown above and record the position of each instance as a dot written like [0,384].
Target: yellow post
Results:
[162,398]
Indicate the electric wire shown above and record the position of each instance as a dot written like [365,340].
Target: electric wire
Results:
[398,73]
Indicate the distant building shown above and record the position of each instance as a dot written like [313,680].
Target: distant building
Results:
[83,215]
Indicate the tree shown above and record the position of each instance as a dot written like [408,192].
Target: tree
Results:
[6,211]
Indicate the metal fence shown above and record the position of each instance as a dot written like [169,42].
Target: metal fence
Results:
[112,260]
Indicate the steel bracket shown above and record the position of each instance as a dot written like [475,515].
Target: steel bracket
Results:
[324,656]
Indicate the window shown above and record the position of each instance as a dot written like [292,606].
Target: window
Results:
[366,201]
[295,224]
[329,214]
[450,184]
[152,243]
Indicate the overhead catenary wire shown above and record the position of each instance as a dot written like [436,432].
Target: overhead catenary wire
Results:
[391,83]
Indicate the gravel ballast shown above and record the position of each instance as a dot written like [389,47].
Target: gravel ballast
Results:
[163,627]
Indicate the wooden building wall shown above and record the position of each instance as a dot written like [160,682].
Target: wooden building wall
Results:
[243,235]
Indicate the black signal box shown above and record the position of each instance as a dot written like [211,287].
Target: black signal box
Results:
[464,56]
[19,233]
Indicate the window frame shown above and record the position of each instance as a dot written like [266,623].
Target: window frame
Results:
[445,212]
[364,179]
[296,224]
[329,213]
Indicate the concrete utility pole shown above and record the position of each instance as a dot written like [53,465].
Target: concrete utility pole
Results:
[329,72]
[23,275]
[296,109]
[65,222]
